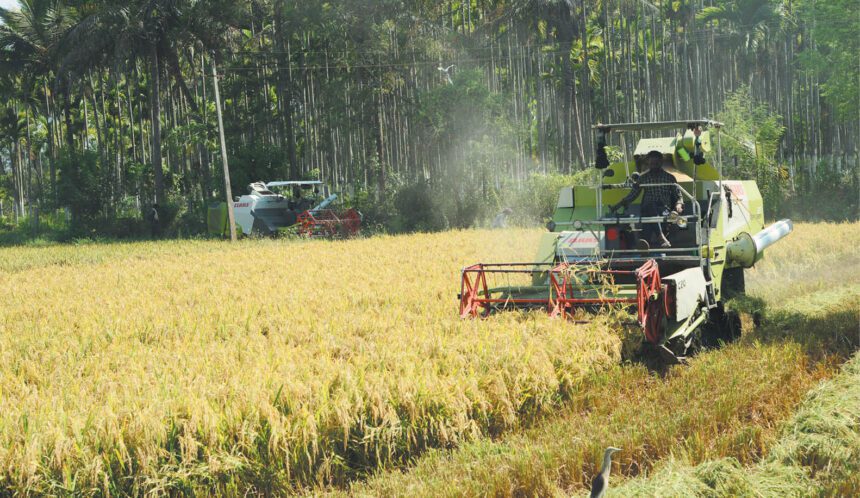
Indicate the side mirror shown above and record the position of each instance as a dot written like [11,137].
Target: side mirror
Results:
[608,173]
[550,226]
[698,155]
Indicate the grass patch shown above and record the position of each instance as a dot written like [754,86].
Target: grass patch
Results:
[818,454]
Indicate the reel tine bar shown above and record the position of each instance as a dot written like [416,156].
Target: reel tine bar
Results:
[327,223]
[476,297]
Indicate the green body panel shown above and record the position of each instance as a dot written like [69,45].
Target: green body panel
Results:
[216,219]
[747,216]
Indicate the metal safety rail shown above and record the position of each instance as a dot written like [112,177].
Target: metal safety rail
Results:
[697,210]
[682,221]
[564,292]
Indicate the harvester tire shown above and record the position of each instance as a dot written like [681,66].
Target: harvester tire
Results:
[259,230]
[724,326]
[733,284]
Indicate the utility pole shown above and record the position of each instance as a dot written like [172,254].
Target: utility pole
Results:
[230,217]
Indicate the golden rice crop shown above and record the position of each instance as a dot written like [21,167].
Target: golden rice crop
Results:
[705,409]
[202,366]
[168,367]
[22,258]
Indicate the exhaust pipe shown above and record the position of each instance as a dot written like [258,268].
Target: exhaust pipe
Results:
[746,249]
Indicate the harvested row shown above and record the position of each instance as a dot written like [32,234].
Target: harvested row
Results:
[267,366]
[817,455]
[726,402]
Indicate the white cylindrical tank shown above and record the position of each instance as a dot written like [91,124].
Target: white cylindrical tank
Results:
[746,249]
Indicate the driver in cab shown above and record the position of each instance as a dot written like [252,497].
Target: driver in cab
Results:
[658,200]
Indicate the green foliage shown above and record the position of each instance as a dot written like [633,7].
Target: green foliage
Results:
[94,214]
[418,209]
[463,109]
[257,162]
[462,204]
[80,187]
[831,53]
[750,22]
[751,137]
[38,228]
[423,206]
[180,219]
[828,195]
[184,139]
[326,86]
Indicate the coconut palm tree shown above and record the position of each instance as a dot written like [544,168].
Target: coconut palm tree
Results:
[29,42]
[747,27]
[748,22]
[32,33]
[154,31]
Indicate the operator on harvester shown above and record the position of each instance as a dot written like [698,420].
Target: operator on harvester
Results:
[665,196]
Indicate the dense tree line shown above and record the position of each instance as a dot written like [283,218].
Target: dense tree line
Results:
[108,105]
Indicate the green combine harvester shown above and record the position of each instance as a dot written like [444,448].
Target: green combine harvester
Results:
[672,267]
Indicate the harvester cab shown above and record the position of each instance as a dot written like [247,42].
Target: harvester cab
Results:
[596,253]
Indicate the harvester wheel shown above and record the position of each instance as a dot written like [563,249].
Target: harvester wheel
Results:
[657,321]
[733,284]
[723,326]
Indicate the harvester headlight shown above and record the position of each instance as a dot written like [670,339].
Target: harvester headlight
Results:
[577,224]
[677,220]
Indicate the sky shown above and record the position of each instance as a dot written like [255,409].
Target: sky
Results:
[8,4]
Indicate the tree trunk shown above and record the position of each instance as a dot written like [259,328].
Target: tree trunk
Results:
[380,150]
[586,84]
[67,116]
[565,41]
[155,101]
[16,178]
[285,93]
[51,152]
[205,182]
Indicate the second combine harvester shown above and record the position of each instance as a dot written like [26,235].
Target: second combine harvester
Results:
[594,256]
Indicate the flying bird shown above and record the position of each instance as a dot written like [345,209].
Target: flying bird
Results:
[446,71]
[601,480]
